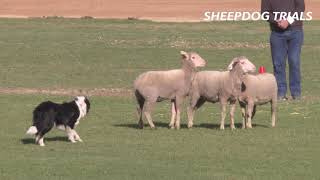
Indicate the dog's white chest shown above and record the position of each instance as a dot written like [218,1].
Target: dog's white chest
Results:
[82,112]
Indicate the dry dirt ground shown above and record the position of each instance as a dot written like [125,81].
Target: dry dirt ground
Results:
[157,10]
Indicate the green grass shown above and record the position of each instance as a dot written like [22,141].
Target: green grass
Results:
[32,50]
[73,53]
[114,149]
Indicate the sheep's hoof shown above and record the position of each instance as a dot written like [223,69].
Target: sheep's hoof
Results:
[177,127]
[273,125]
[190,125]
[249,126]
[233,128]
[221,127]
[243,127]
[140,125]
[171,126]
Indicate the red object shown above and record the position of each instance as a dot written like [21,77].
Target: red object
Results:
[262,69]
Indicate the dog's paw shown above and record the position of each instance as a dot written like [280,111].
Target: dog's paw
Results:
[72,141]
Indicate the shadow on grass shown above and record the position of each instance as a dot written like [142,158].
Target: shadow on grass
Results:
[217,126]
[184,126]
[32,140]
[146,125]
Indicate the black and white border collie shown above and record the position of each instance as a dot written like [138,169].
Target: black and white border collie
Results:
[65,116]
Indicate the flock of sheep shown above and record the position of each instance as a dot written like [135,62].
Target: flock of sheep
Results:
[238,83]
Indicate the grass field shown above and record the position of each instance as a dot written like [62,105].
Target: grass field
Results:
[87,54]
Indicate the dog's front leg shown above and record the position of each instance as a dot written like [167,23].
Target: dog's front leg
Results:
[76,136]
[70,133]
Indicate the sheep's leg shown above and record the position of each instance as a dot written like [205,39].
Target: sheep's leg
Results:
[249,114]
[191,109]
[173,114]
[196,103]
[223,104]
[243,113]
[177,124]
[140,123]
[140,100]
[178,104]
[147,108]
[254,111]
[232,110]
[190,113]
[273,112]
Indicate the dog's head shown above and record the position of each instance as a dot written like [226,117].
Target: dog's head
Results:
[83,103]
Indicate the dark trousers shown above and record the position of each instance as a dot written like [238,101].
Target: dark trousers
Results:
[285,45]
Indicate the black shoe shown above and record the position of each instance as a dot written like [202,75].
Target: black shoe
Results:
[282,98]
[296,98]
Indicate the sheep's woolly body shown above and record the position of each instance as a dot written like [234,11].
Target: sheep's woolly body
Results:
[215,86]
[155,83]
[257,90]
[262,88]
[153,86]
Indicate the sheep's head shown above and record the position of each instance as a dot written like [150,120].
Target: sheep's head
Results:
[193,59]
[237,72]
[244,63]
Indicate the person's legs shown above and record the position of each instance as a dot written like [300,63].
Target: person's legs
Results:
[294,49]
[279,49]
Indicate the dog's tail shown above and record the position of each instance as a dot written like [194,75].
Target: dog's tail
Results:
[32,130]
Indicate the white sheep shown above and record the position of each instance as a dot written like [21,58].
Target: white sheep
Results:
[257,90]
[217,86]
[154,86]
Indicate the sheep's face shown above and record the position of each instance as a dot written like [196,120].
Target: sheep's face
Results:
[246,65]
[193,59]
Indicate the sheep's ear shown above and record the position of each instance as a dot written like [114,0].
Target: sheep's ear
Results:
[230,67]
[233,63]
[184,55]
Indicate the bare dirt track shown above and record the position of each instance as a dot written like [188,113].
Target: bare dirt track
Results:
[157,10]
